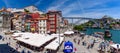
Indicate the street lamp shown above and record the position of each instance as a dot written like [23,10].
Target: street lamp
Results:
[59,30]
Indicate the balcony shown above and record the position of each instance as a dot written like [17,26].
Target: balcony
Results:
[52,22]
[52,18]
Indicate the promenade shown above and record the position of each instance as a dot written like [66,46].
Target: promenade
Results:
[80,48]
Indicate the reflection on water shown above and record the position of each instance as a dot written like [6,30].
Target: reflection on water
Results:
[115,33]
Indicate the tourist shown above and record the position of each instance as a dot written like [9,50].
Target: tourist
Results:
[9,38]
[19,46]
[46,51]
[28,52]
[92,45]
[88,46]
[75,50]
[23,51]
[74,40]
[82,37]
[78,41]
[102,46]
[8,43]
[83,43]
[3,39]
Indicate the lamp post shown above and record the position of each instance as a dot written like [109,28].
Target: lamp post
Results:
[59,30]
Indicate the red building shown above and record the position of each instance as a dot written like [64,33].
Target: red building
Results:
[52,22]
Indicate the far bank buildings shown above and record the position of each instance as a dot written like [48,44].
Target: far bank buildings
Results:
[30,19]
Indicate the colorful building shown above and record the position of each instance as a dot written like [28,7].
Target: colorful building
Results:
[42,24]
[33,20]
[54,18]
[6,16]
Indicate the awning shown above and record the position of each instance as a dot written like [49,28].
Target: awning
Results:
[36,40]
[69,32]
[55,44]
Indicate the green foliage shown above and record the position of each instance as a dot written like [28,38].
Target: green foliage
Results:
[111,26]
[79,27]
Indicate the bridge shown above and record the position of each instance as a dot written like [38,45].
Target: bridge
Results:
[80,19]
[85,18]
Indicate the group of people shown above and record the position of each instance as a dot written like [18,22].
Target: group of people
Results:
[76,41]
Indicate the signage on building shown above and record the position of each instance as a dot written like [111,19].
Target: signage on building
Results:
[68,47]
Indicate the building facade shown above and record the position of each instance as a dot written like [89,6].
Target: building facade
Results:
[54,18]
[42,24]
[6,16]
[1,21]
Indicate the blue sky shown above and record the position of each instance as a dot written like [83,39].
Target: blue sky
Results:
[74,8]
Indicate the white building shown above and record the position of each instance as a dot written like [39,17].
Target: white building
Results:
[42,25]
[33,9]
[1,18]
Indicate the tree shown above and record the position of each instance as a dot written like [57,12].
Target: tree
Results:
[111,26]
[79,27]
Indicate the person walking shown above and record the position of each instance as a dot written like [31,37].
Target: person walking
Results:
[75,50]
[78,41]
[74,40]
[88,47]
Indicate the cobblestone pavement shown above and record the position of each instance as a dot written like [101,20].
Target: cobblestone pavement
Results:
[80,48]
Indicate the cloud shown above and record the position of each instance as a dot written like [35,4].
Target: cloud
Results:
[97,13]
[56,5]
[88,9]
[69,8]
[38,2]
[6,3]
[81,7]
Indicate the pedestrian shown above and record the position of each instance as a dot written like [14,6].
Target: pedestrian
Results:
[75,50]
[74,40]
[78,41]
[83,43]
[46,51]
[82,37]
[92,45]
[8,43]
[19,46]
[88,46]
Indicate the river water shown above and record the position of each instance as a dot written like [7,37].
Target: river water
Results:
[115,33]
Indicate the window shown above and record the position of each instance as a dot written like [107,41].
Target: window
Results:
[52,22]
[44,28]
[40,27]
[40,20]
[44,31]
[43,20]
[52,26]
[52,18]
[51,15]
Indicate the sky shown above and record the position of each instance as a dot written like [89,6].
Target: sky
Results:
[70,8]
